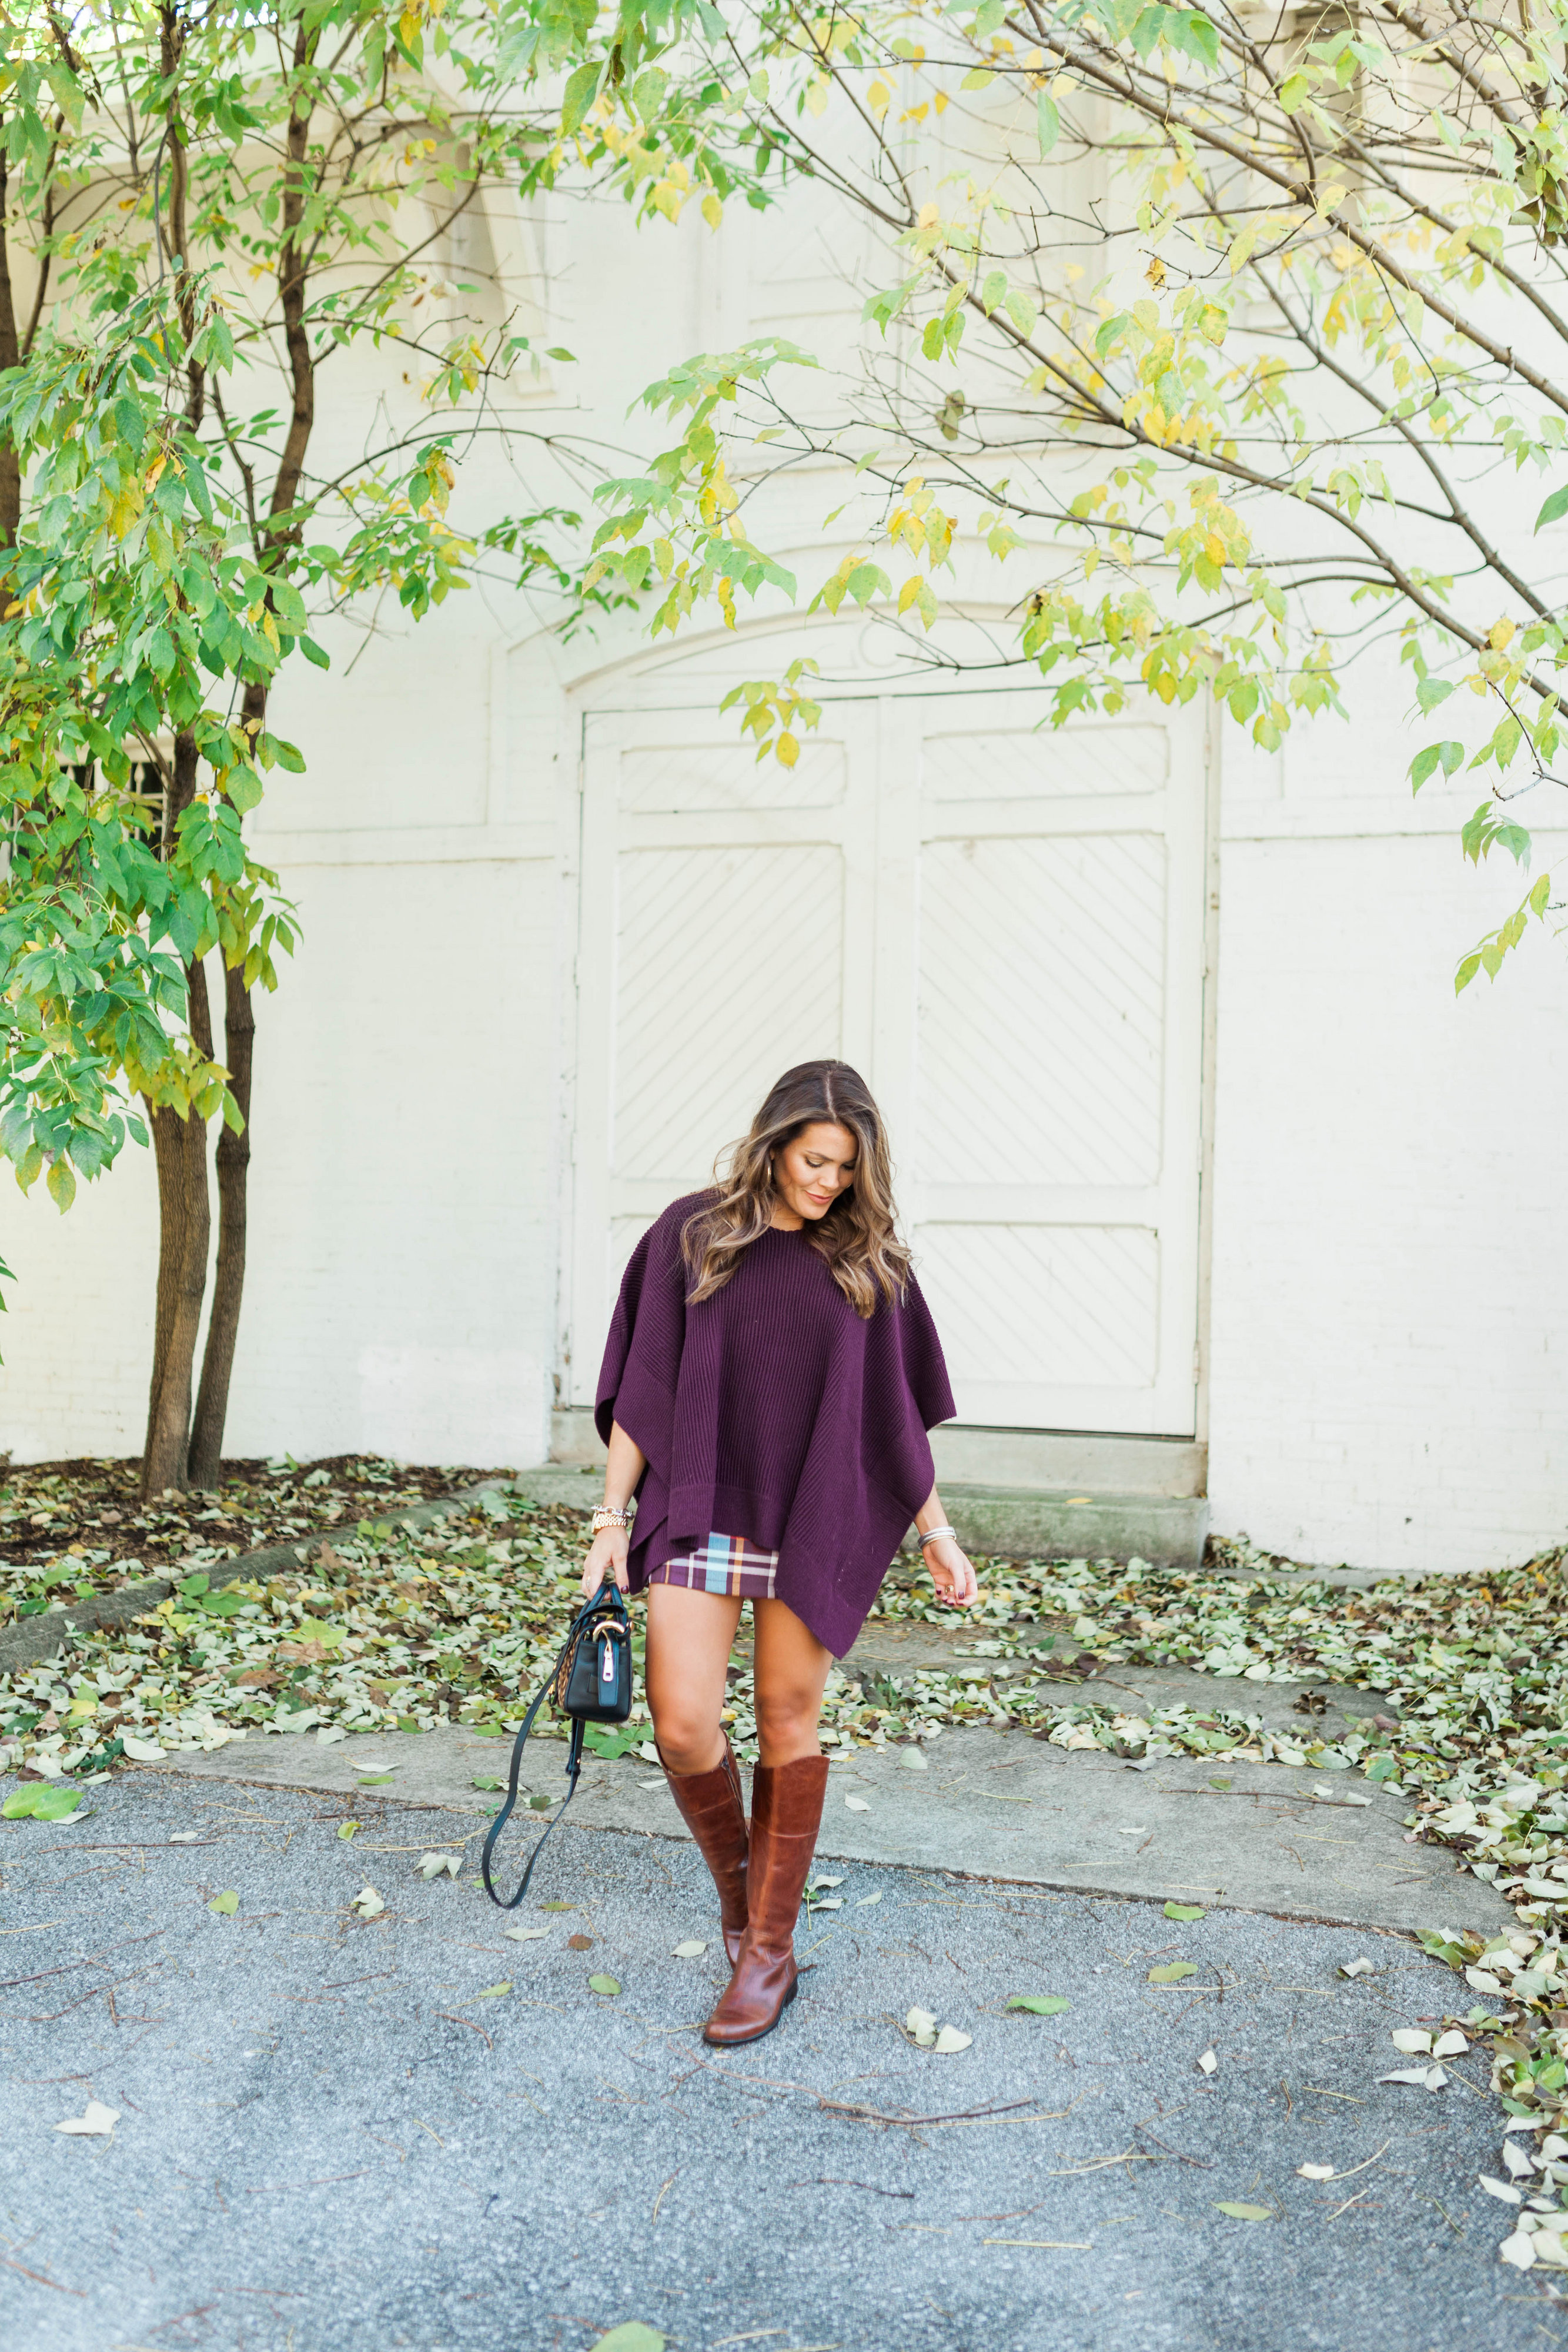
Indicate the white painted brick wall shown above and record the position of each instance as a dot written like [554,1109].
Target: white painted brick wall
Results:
[401,1280]
[1390,1317]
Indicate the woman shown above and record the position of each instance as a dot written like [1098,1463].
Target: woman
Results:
[770,1375]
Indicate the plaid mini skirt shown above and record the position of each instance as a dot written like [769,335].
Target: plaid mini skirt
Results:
[728,1565]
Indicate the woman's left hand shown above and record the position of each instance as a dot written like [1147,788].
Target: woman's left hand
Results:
[952,1574]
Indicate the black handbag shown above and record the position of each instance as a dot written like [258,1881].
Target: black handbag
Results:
[591,1683]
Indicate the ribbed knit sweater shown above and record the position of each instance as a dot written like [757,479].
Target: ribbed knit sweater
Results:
[773,1411]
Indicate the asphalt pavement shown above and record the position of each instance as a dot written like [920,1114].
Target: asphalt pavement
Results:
[412,2129]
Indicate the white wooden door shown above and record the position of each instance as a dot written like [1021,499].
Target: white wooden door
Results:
[1055,956]
[1003,928]
[726,932]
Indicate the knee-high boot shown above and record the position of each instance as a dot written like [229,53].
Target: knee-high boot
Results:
[786,1814]
[713,1808]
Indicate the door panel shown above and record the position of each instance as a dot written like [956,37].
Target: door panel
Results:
[1003,928]
[716,948]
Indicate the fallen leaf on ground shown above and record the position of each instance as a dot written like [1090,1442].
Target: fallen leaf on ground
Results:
[1038,2004]
[692,1949]
[632,2335]
[525,1935]
[347,1828]
[1315,2172]
[1356,1968]
[485,1780]
[863,1900]
[1410,2039]
[184,1837]
[97,2119]
[1500,2189]
[826,1902]
[1184,1911]
[826,1881]
[431,1866]
[1247,2212]
[857,1804]
[1452,2045]
[1519,2250]
[920,2025]
[949,2042]
[495,1991]
[1426,2078]
[142,1751]
[1208,2062]
[227,1904]
[1518,2160]
[555,1906]
[607,1986]
[375,1779]
[367,1903]
[1173,1972]
[914,1759]
[580,1943]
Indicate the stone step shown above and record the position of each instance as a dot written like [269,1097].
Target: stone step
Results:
[1019,1522]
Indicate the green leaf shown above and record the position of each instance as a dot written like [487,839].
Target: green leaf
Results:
[225,1904]
[1292,90]
[580,92]
[347,1828]
[632,2335]
[1173,1972]
[1445,755]
[1246,2212]
[1038,2004]
[222,1604]
[1184,1911]
[56,1804]
[376,1780]
[21,1801]
[1431,692]
[1048,122]
[495,1991]
[315,653]
[1555,507]
[62,1184]
[607,1986]
[485,1780]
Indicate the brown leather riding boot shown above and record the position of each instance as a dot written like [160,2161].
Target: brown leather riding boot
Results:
[786,1814]
[713,1808]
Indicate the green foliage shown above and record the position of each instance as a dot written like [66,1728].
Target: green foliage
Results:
[1231,348]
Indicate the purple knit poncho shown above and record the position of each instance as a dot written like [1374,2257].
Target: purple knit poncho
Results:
[773,1411]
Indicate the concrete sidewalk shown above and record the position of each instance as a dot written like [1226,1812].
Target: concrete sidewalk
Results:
[420,2131]
[998,1804]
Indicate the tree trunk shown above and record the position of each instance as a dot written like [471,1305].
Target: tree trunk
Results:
[185,1212]
[229,1282]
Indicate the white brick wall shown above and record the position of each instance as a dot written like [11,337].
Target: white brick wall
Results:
[1390,1316]
[400,1281]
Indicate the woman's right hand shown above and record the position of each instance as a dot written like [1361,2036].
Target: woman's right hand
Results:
[606,1556]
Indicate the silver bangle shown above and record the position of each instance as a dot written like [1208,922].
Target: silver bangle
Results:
[932,1533]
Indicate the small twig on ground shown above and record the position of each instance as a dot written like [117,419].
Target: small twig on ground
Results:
[660,2198]
[829,2180]
[468,2021]
[38,2280]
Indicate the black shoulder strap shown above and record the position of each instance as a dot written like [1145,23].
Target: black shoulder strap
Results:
[573,1764]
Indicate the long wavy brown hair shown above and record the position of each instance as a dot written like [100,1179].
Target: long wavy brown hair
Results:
[858,1237]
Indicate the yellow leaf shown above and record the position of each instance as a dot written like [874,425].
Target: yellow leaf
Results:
[713,209]
[787,750]
[1499,634]
[879,98]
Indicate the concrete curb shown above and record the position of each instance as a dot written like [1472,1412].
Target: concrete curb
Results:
[33,1639]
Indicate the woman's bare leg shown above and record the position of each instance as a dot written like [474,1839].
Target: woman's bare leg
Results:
[690,1637]
[791,1670]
